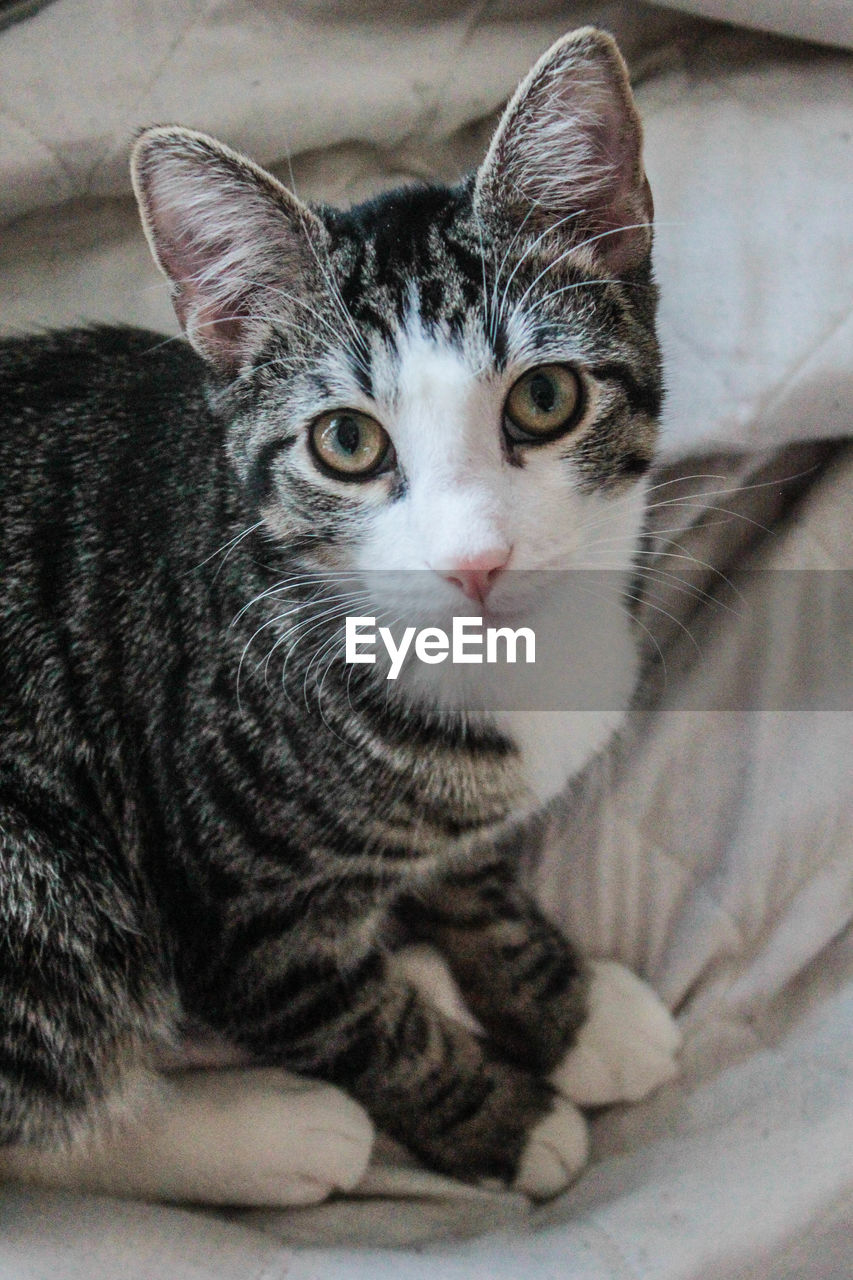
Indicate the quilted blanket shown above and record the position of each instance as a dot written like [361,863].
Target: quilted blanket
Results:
[712,848]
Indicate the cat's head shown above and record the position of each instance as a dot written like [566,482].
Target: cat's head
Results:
[457,380]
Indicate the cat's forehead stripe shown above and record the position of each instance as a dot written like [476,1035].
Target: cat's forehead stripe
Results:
[419,241]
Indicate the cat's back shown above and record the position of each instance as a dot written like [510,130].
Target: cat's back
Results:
[93,419]
[109,465]
[90,387]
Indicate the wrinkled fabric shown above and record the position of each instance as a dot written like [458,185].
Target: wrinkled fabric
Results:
[711,850]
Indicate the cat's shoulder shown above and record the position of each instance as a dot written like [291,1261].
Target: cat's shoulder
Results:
[98,352]
[98,383]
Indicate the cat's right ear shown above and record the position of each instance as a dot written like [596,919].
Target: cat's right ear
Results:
[232,241]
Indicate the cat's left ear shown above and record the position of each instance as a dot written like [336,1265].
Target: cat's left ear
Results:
[234,243]
[568,151]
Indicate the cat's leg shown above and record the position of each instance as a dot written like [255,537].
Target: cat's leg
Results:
[82,1004]
[251,1137]
[82,993]
[594,1029]
[421,1076]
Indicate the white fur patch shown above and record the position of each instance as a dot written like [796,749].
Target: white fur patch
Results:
[626,1048]
[428,972]
[556,1151]
[444,417]
[254,1137]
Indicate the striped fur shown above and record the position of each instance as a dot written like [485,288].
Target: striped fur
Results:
[187,832]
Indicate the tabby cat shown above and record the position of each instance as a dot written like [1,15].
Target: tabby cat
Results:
[459,381]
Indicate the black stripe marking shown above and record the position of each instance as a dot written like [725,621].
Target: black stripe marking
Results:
[473,1095]
[260,482]
[642,397]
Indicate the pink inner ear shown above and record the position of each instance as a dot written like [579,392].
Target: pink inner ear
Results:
[213,319]
[220,336]
[210,255]
[227,236]
[211,301]
[584,155]
[571,144]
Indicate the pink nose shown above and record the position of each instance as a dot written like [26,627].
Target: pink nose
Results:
[476,575]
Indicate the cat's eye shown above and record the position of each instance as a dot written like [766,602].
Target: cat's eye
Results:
[544,403]
[351,444]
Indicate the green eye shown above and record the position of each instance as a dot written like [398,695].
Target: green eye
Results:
[544,403]
[351,444]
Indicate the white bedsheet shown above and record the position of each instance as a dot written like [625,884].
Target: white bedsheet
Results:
[714,852]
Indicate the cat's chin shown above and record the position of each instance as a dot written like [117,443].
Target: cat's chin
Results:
[574,651]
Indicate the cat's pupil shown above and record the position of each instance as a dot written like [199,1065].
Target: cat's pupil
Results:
[542,393]
[348,435]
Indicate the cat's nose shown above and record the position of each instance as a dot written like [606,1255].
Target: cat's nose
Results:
[476,575]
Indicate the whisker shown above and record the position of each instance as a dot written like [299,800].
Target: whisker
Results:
[334,601]
[607,600]
[740,488]
[328,605]
[338,611]
[486,319]
[519,229]
[227,547]
[531,248]
[339,649]
[707,506]
[654,575]
[633,226]
[650,535]
[333,643]
[644,602]
[288,584]
[269,622]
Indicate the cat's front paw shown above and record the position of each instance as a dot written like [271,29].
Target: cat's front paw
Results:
[627,1046]
[556,1150]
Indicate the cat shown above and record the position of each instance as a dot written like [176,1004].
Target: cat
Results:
[455,380]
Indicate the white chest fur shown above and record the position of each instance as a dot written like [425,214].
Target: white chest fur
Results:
[589,680]
[555,745]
